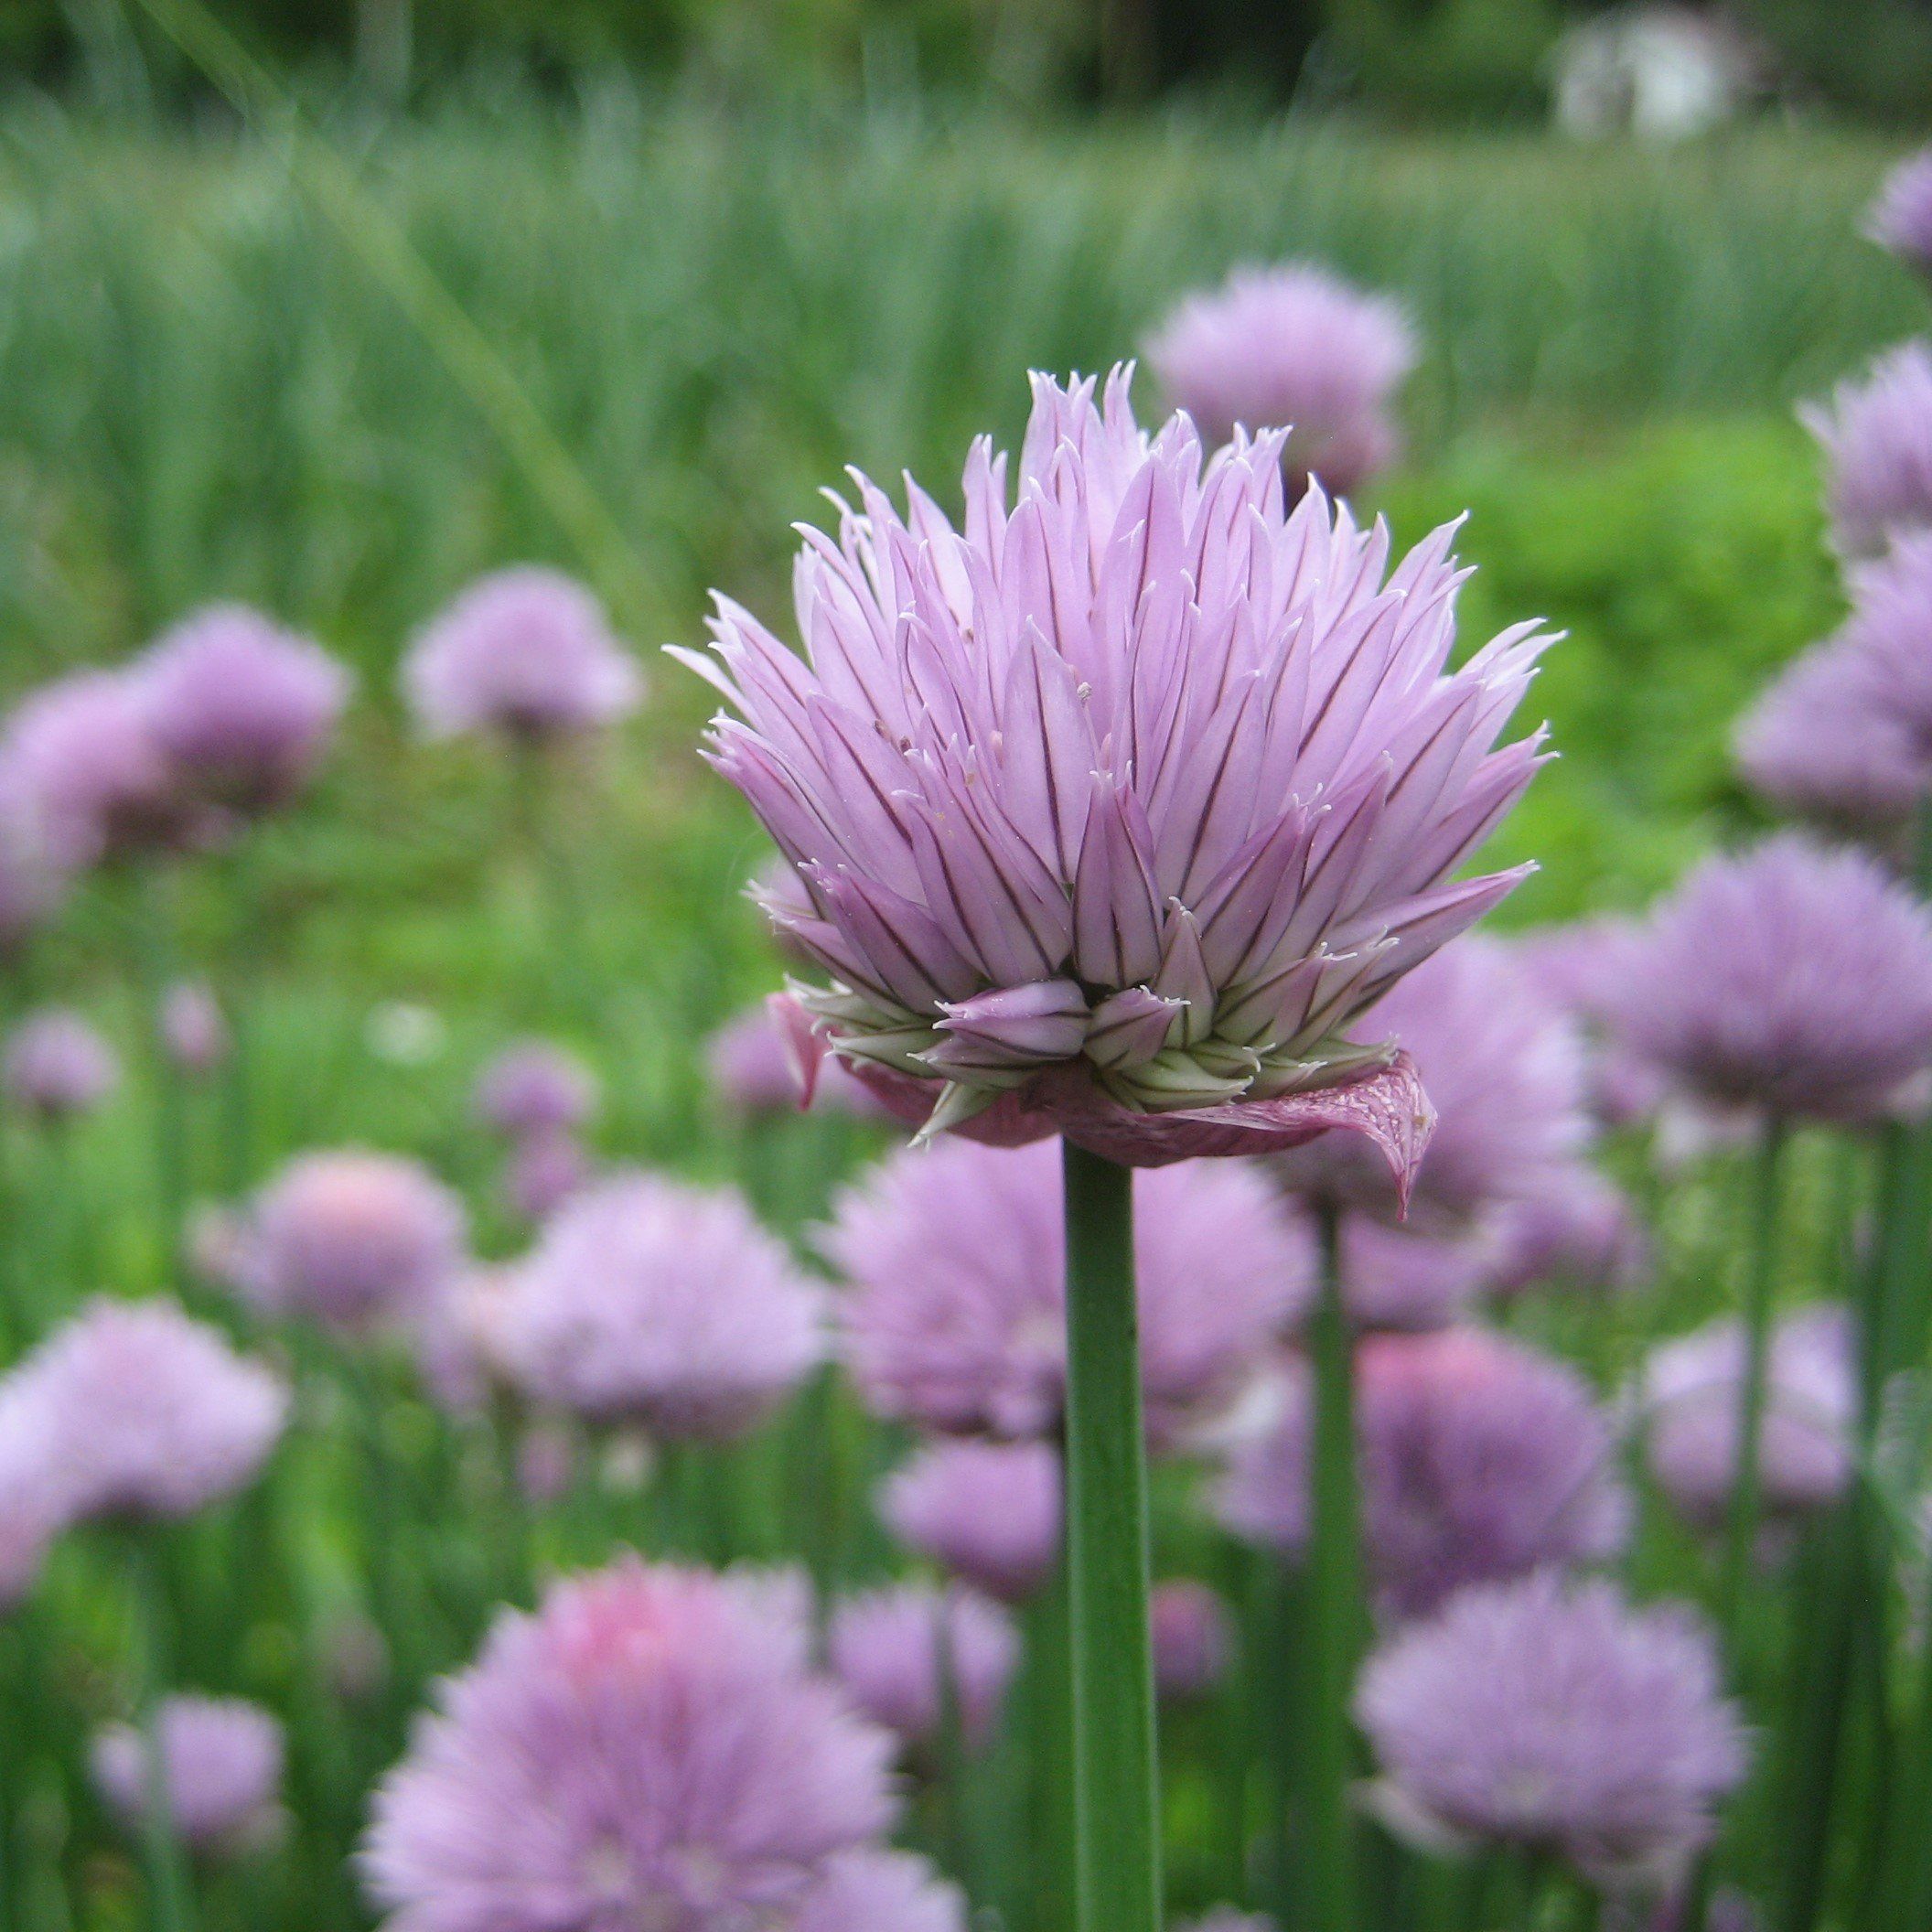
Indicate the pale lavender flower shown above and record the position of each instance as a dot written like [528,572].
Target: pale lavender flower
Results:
[1193,1639]
[453,1337]
[144,1413]
[1480,1459]
[647,1748]
[535,1087]
[526,653]
[1296,347]
[756,1069]
[242,710]
[349,1239]
[956,1318]
[1901,218]
[1583,968]
[881,1891]
[1410,1278]
[885,1648]
[989,1513]
[1877,440]
[1689,1399]
[86,777]
[1505,1072]
[1789,982]
[543,1172]
[1580,1233]
[1555,1717]
[221,1769]
[193,1028]
[31,881]
[1820,746]
[1116,809]
[30,1508]
[58,1066]
[1885,646]
[668,1307]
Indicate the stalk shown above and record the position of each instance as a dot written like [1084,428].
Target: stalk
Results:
[167,1894]
[1333,1637]
[154,951]
[1116,1837]
[1741,1536]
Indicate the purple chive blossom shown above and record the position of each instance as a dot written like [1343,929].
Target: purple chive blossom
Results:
[1117,809]
[1480,1459]
[1555,1717]
[1505,1072]
[884,1647]
[145,1413]
[988,1513]
[1877,440]
[1580,1233]
[543,1172]
[647,1748]
[956,1318]
[221,1765]
[881,1891]
[1887,644]
[526,653]
[349,1239]
[1409,1279]
[1901,219]
[242,710]
[193,1028]
[80,764]
[1297,347]
[1582,969]
[1820,745]
[57,1066]
[649,1303]
[1687,1416]
[534,1088]
[1193,1639]
[755,1070]
[1789,982]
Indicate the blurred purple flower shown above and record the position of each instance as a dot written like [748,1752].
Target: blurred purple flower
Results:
[453,1337]
[1583,968]
[755,1071]
[664,1305]
[647,1748]
[988,1513]
[1555,1717]
[956,1318]
[32,880]
[1789,982]
[1225,1918]
[884,1647]
[57,1066]
[1901,218]
[1877,440]
[1505,1072]
[881,1891]
[1886,645]
[85,777]
[30,1510]
[1410,1278]
[1820,745]
[351,1238]
[1294,348]
[1480,1459]
[543,1172]
[221,1765]
[526,653]
[1688,1401]
[143,1412]
[535,1087]
[1193,1639]
[193,1028]
[1115,811]
[1581,1232]
[241,709]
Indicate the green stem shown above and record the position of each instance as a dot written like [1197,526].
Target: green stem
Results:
[168,1893]
[1334,1632]
[1741,1536]
[154,956]
[1047,1710]
[1116,1837]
